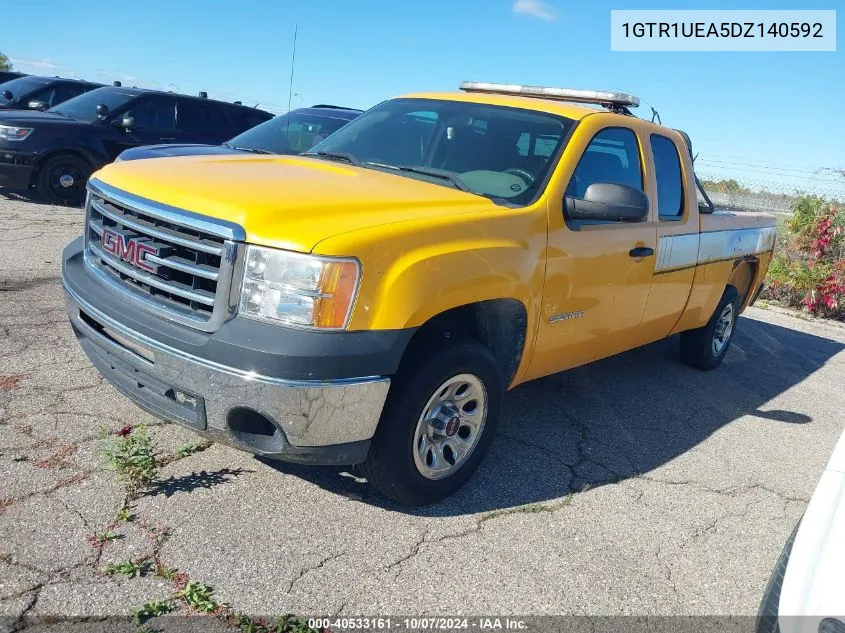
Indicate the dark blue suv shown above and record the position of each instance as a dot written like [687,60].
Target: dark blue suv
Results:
[29,92]
[291,133]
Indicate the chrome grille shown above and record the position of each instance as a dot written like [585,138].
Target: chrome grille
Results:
[171,261]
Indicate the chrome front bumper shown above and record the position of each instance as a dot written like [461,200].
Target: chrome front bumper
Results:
[315,421]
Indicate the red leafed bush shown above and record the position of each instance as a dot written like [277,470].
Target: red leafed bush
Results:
[808,270]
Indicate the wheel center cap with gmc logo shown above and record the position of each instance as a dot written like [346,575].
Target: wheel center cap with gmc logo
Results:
[452,426]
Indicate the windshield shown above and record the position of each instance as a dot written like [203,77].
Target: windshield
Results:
[495,151]
[84,107]
[21,86]
[291,133]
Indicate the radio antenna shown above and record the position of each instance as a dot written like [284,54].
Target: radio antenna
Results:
[290,89]
[292,62]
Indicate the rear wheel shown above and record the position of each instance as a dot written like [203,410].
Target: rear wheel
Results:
[438,422]
[706,346]
[62,179]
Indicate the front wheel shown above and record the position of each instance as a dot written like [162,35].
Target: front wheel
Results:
[706,346]
[438,422]
[62,179]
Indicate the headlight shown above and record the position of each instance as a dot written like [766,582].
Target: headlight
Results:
[296,289]
[10,133]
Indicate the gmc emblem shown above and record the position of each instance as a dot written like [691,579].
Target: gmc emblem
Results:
[130,249]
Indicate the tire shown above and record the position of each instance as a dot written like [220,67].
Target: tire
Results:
[403,463]
[62,178]
[767,615]
[705,347]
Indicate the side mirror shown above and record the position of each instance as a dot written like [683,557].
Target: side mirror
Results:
[7,94]
[102,111]
[38,105]
[703,207]
[608,202]
[128,122]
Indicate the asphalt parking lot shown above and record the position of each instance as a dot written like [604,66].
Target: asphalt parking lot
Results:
[632,486]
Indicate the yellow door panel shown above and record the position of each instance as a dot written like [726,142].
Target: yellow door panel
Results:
[594,296]
[595,292]
[677,235]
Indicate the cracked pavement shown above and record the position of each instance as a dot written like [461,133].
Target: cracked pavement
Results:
[631,486]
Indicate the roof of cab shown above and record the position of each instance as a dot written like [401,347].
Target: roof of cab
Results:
[563,108]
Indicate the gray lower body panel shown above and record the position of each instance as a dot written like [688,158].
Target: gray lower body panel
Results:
[329,422]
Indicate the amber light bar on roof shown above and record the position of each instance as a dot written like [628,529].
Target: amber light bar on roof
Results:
[602,97]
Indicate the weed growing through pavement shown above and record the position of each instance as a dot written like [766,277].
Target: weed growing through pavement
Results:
[98,540]
[282,624]
[57,460]
[124,515]
[168,573]
[199,597]
[190,449]
[128,568]
[130,454]
[151,609]
[156,534]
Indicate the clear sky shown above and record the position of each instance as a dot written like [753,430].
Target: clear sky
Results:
[745,112]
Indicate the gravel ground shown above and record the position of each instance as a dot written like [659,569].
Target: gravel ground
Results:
[631,486]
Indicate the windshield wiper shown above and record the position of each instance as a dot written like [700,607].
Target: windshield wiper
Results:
[252,150]
[343,156]
[426,171]
[439,173]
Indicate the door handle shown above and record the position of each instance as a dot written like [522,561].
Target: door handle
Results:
[641,251]
[167,138]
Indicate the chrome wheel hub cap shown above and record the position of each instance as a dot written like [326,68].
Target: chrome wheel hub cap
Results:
[66,181]
[724,329]
[450,426]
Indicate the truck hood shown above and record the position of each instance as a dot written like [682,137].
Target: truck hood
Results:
[172,149]
[289,202]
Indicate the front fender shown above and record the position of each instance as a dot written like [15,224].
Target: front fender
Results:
[95,159]
[415,270]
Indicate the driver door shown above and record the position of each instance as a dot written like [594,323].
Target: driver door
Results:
[597,284]
[154,123]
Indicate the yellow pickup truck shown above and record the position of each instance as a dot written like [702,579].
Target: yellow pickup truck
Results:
[368,303]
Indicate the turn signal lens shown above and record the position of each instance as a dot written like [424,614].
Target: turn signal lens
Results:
[298,289]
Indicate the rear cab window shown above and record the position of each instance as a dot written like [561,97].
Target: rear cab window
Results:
[670,184]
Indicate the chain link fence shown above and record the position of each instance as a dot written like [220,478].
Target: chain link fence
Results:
[769,196]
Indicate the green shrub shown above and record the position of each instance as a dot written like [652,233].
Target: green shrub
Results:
[808,269]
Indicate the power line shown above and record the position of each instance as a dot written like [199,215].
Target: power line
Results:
[818,179]
[772,166]
[740,159]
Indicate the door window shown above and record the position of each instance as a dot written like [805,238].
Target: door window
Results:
[63,92]
[202,118]
[667,169]
[613,156]
[44,96]
[154,111]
